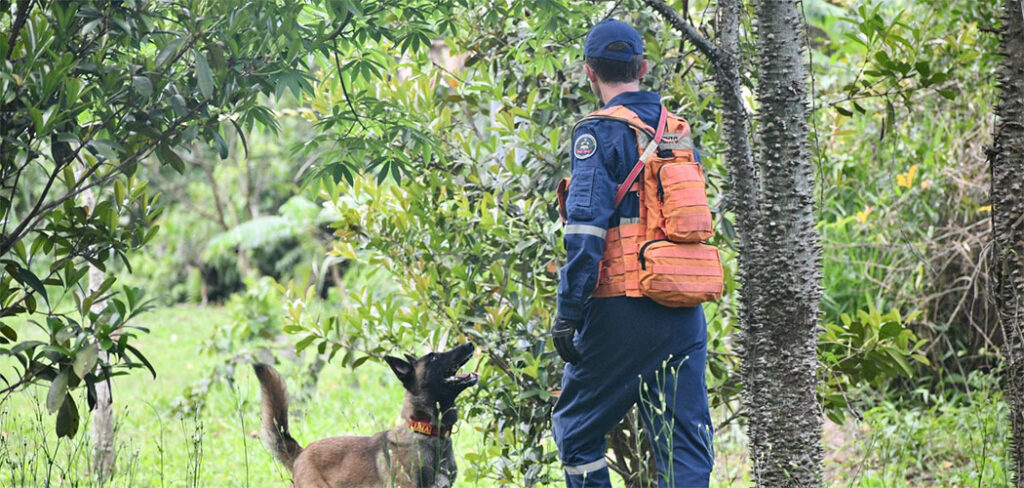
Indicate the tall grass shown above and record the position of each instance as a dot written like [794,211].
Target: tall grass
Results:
[921,440]
[32,455]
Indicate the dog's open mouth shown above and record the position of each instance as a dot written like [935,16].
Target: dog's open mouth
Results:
[453,377]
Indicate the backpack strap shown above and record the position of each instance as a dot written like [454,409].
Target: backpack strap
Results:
[648,151]
[629,118]
[617,113]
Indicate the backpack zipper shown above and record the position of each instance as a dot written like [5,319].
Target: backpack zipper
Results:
[661,189]
[643,261]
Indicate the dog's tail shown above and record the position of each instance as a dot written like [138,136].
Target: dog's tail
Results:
[275,416]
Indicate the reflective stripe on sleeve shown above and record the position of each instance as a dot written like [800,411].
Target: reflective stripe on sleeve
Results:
[592,230]
[586,468]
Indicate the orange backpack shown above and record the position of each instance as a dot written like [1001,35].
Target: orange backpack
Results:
[661,254]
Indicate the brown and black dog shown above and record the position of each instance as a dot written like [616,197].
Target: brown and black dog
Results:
[417,454]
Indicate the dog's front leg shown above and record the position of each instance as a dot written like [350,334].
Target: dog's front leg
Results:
[447,472]
[436,471]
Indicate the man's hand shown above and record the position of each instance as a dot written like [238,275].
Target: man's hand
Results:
[561,333]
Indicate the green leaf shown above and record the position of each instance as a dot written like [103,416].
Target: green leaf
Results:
[900,360]
[67,418]
[359,362]
[222,146]
[25,346]
[8,332]
[890,330]
[203,76]
[119,191]
[141,358]
[58,390]
[143,86]
[304,343]
[923,67]
[166,155]
[938,78]
[178,105]
[29,278]
[166,52]
[86,359]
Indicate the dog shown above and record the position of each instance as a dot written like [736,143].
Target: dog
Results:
[416,454]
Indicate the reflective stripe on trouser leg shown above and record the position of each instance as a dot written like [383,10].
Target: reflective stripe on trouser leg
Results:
[586,468]
[588,475]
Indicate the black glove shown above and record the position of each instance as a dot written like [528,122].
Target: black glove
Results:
[561,334]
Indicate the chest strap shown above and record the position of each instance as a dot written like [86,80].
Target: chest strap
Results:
[639,166]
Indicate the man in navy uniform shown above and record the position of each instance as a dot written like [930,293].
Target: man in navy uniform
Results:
[622,350]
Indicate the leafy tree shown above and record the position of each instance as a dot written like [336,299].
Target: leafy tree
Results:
[90,91]
[1007,166]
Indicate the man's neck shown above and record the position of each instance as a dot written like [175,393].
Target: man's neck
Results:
[609,92]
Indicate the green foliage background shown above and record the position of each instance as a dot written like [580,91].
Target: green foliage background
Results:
[370,178]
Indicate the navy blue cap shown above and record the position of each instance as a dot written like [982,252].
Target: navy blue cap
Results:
[605,33]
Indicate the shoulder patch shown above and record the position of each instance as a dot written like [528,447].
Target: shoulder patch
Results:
[584,147]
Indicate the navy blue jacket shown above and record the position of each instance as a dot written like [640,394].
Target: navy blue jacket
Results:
[590,205]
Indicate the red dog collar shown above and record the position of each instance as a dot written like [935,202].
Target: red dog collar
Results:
[426,428]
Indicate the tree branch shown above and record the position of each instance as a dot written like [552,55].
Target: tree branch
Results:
[19,21]
[16,234]
[173,190]
[81,185]
[215,193]
[687,29]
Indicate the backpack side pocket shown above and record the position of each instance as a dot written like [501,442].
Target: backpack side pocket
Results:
[680,274]
[685,215]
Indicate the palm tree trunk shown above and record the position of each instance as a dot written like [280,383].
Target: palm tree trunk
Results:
[779,356]
[1007,167]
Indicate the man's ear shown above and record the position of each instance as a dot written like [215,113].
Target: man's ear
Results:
[643,69]
[591,75]
[403,370]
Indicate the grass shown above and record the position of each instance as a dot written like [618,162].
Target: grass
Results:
[954,442]
[220,446]
[959,440]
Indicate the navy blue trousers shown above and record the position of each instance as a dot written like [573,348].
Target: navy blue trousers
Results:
[635,351]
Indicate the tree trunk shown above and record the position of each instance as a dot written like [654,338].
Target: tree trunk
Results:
[745,183]
[778,247]
[103,454]
[102,433]
[1007,166]
[779,356]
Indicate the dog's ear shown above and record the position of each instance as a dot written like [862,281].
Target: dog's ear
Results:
[410,358]
[403,370]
